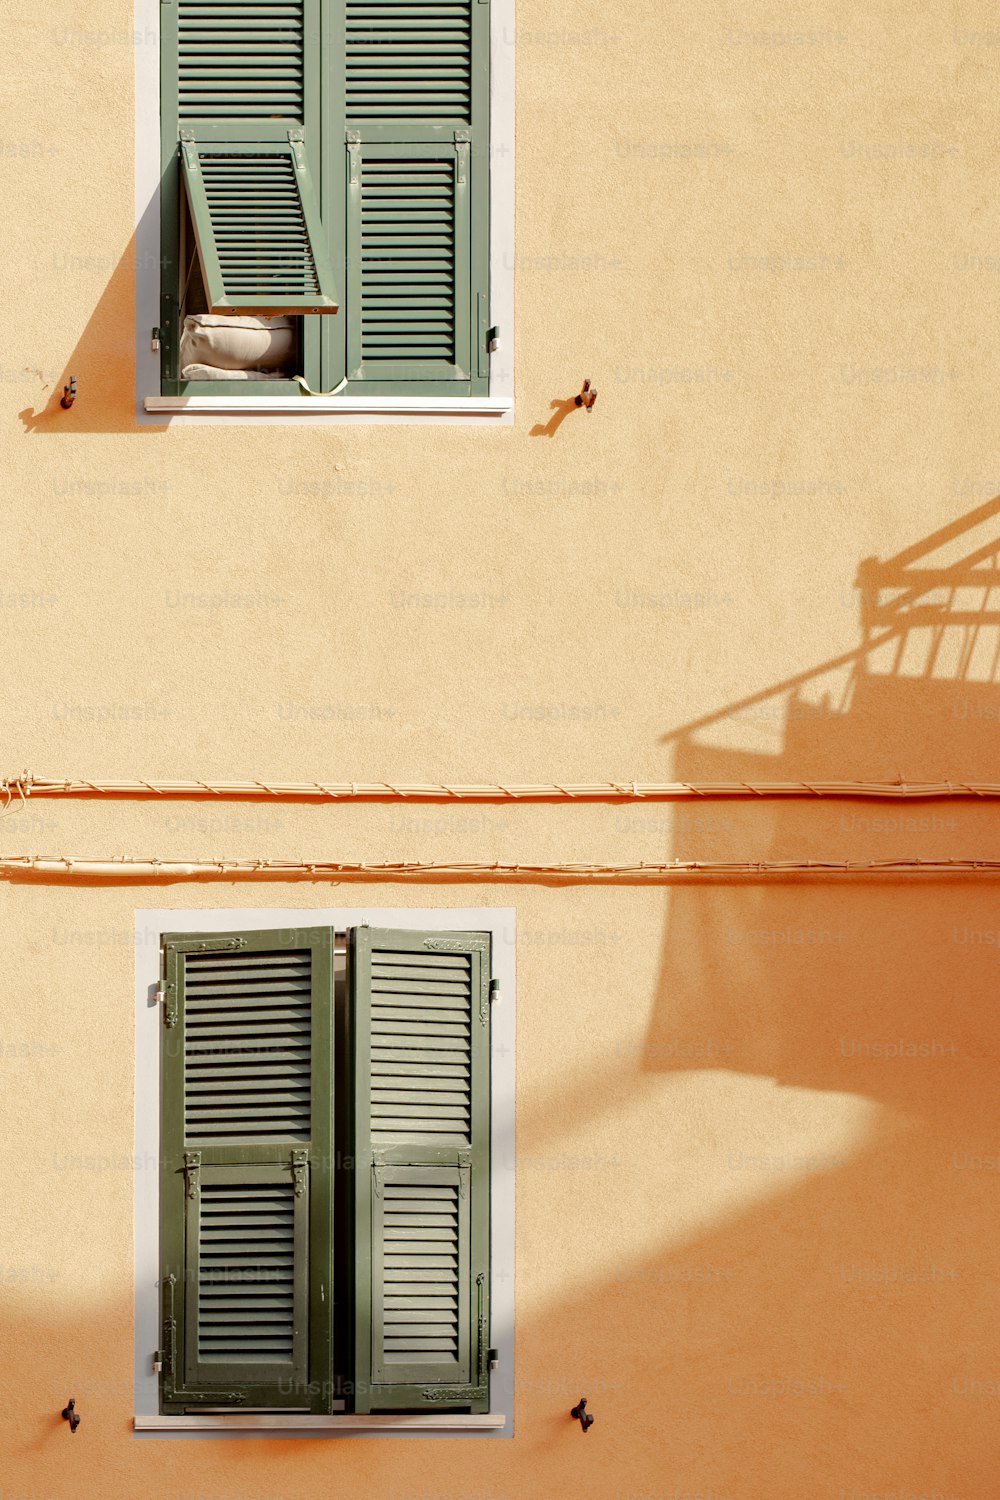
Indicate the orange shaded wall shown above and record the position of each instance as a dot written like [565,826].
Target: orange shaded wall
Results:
[758,1159]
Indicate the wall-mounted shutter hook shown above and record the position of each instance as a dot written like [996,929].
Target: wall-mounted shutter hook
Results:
[71,1415]
[582,1415]
[587,396]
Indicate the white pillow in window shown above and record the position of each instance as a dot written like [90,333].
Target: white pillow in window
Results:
[236,343]
[210,372]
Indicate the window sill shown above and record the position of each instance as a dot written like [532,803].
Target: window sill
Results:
[278,1422]
[491,407]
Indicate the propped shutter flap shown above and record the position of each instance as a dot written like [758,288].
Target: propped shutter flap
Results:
[420,1011]
[246,1213]
[256,222]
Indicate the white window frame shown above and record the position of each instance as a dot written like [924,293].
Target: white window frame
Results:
[154,409]
[149,929]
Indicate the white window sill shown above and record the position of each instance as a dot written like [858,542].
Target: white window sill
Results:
[493,407]
[278,1422]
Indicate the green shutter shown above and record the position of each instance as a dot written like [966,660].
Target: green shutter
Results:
[256,224]
[242,120]
[420,1018]
[246,1146]
[416,90]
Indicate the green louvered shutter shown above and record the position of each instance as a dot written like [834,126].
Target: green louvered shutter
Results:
[420,1018]
[416,90]
[246,1146]
[242,116]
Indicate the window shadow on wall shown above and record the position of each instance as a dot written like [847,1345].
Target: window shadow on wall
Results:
[103,362]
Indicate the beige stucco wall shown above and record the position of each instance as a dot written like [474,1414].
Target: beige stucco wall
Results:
[765,1251]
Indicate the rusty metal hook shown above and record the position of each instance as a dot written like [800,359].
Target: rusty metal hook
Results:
[587,396]
[582,1415]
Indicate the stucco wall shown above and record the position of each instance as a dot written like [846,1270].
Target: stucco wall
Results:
[762,1244]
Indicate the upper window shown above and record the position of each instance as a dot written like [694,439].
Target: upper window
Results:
[325,197]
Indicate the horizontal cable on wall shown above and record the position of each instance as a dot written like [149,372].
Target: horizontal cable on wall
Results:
[128,868]
[27,785]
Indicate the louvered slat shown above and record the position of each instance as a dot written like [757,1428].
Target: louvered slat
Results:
[246,1292]
[409,62]
[408,273]
[420,1263]
[255,218]
[260,231]
[240,59]
[420,1047]
[247,1046]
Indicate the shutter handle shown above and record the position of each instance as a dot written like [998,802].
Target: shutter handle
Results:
[71,1415]
[582,1415]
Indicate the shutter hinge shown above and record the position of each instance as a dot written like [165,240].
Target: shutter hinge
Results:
[158,1353]
[493,1358]
[354,148]
[462,154]
[300,1161]
[494,991]
[296,139]
[493,338]
[166,994]
[154,340]
[378,1177]
[192,1170]
[189,150]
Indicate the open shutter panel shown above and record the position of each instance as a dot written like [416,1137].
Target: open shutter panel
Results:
[247,1144]
[256,223]
[420,1012]
[417,117]
[244,78]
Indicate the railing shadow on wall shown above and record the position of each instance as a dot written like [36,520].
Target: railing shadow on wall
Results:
[873,1265]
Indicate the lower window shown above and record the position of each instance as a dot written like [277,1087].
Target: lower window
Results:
[325,1236]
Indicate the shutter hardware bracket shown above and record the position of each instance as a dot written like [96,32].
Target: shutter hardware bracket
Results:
[192,1169]
[299,1163]
[582,1415]
[166,994]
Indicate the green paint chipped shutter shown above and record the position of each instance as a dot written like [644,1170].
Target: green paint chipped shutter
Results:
[246,1212]
[416,90]
[420,1016]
